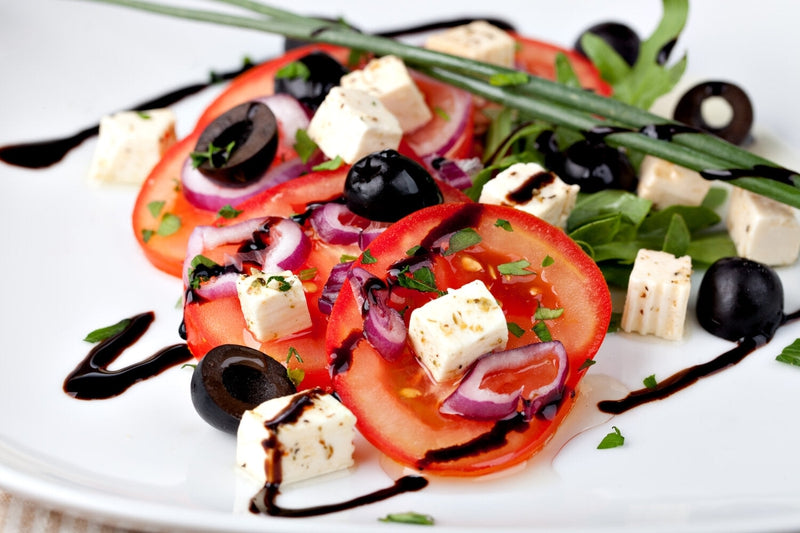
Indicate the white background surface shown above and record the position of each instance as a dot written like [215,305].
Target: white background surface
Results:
[720,456]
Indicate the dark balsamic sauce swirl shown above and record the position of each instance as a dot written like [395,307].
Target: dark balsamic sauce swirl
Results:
[91,379]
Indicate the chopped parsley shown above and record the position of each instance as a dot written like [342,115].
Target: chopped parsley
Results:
[413,250]
[347,258]
[547,261]
[791,354]
[612,440]
[331,164]
[303,145]
[367,258]
[296,375]
[650,381]
[542,331]
[293,70]
[307,274]
[422,280]
[545,313]
[102,334]
[515,329]
[155,207]
[441,113]
[198,158]
[147,234]
[169,224]
[283,285]
[461,240]
[228,211]
[515,268]
[586,364]
[505,224]
[408,518]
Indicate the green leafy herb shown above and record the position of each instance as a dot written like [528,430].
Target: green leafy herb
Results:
[545,313]
[143,115]
[615,323]
[505,224]
[504,79]
[228,211]
[542,331]
[198,270]
[303,145]
[169,224]
[547,261]
[293,70]
[155,207]
[515,329]
[586,364]
[791,354]
[367,258]
[331,164]
[612,440]
[283,285]
[441,113]
[307,274]
[515,268]
[189,365]
[409,518]
[295,375]
[104,333]
[461,240]
[422,279]
[147,234]
[346,258]
[413,250]
[650,381]
[214,155]
[564,72]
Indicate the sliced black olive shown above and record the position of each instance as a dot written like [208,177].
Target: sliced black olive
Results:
[624,40]
[386,186]
[595,166]
[231,379]
[239,145]
[311,88]
[739,298]
[690,110]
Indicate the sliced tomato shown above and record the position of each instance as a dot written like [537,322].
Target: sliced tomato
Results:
[539,58]
[397,403]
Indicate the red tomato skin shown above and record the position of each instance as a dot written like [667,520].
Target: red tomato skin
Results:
[383,395]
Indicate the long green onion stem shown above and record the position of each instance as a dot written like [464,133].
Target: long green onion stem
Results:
[537,98]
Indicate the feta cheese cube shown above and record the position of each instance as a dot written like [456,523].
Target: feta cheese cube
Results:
[530,188]
[658,295]
[292,438]
[352,124]
[450,332]
[274,305]
[477,40]
[763,229]
[387,79]
[665,183]
[129,145]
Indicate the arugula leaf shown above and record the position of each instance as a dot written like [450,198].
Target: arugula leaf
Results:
[564,72]
[676,240]
[790,354]
[612,440]
[461,240]
[101,334]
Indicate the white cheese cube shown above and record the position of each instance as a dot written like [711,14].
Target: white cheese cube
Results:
[530,188]
[130,144]
[477,40]
[450,332]
[658,295]
[352,123]
[274,305]
[763,229]
[387,79]
[292,438]
[665,183]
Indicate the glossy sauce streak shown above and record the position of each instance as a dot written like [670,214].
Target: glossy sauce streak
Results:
[530,188]
[92,380]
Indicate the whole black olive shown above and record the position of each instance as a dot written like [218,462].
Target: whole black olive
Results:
[689,110]
[624,40]
[739,298]
[231,379]
[386,186]
[595,166]
[547,144]
[323,73]
[239,145]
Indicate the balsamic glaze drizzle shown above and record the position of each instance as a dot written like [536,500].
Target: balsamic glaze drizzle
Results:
[91,379]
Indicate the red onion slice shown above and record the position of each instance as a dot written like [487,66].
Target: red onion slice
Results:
[336,224]
[457,173]
[335,282]
[203,193]
[384,326]
[475,399]
[288,248]
[436,138]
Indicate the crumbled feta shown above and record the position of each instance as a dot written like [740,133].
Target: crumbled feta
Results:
[292,438]
[352,124]
[658,295]
[665,183]
[273,304]
[477,40]
[450,332]
[763,229]
[530,188]
[130,144]
[387,79]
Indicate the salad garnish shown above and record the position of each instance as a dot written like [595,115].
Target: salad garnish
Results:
[612,440]
[622,124]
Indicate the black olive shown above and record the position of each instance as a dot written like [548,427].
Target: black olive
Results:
[690,110]
[595,166]
[231,379]
[547,144]
[386,186]
[624,40]
[324,73]
[239,145]
[739,298]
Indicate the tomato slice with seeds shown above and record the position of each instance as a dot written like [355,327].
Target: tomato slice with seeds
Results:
[397,403]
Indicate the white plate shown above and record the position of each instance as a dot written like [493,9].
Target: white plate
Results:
[720,456]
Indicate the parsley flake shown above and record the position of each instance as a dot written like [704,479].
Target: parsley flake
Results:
[367,258]
[515,268]
[441,113]
[408,518]
[293,70]
[505,224]
[283,285]
[422,280]
[461,240]
[295,375]
[169,224]
[547,261]
[307,274]
[612,440]
[216,156]
[147,234]
[545,313]
[331,164]
[542,331]
[586,364]
[650,381]
[228,211]
[155,207]
[515,329]
[791,354]
[303,145]
[102,334]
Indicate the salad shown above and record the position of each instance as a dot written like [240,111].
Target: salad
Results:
[605,428]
